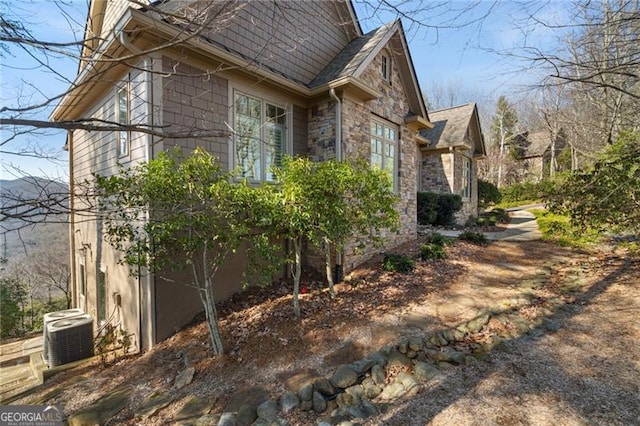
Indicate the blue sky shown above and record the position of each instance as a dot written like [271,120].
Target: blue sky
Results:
[459,56]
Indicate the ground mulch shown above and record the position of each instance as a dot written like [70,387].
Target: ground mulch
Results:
[583,368]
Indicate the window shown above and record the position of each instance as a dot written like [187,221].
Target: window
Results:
[385,68]
[383,149]
[101,291]
[466,178]
[260,137]
[123,117]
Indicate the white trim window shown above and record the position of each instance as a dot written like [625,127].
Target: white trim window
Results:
[260,140]
[123,117]
[466,178]
[384,147]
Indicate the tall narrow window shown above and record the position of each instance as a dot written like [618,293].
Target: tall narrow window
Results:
[101,292]
[385,68]
[466,178]
[260,137]
[383,149]
[123,118]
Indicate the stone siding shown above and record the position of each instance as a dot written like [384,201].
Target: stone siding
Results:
[436,174]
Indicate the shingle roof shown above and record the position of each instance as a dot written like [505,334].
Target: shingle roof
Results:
[352,56]
[538,143]
[449,126]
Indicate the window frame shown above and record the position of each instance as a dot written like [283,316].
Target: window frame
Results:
[385,67]
[125,88]
[466,177]
[266,160]
[385,143]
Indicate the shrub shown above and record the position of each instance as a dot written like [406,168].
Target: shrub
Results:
[488,193]
[432,251]
[437,209]
[436,238]
[477,238]
[427,208]
[395,262]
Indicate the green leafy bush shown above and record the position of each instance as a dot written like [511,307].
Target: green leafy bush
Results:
[436,238]
[395,262]
[432,251]
[477,238]
[437,209]
[488,193]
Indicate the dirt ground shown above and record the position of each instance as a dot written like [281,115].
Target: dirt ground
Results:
[582,368]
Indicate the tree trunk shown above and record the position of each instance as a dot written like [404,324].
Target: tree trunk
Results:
[327,263]
[212,320]
[297,243]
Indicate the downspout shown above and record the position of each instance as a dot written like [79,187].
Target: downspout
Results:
[339,270]
[148,153]
[72,222]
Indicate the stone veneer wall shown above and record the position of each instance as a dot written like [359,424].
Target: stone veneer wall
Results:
[321,125]
[393,106]
[436,172]
[438,176]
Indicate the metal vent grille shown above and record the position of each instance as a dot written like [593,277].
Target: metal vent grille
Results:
[51,317]
[70,339]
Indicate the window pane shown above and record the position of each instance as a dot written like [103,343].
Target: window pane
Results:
[248,146]
[122,136]
[275,144]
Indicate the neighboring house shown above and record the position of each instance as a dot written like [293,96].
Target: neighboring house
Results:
[272,78]
[450,159]
[537,152]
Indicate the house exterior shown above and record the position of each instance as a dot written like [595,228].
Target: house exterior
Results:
[449,162]
[538,152]
[247,81]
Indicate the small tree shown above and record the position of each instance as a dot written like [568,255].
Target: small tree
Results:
[352,203]
[328,204]
[180,212]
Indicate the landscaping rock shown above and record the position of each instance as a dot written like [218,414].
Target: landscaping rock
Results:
[227,419]
[416,343]
[372,390]
[425,371]
[268,410]
[476,324]
[411,354]
[246,415]
[289,401]
[344,400]
[408,381]
[195,408]
[101,410]
[403,347]
[319,403]
[392,392]
[396,359]
[363,365]
[306,392]
[154,403]
[324,386]
[183,378]
[207,420]
[306,405]
[344,376]
[369,409]
[356,391]
[378,358]
[377,374]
